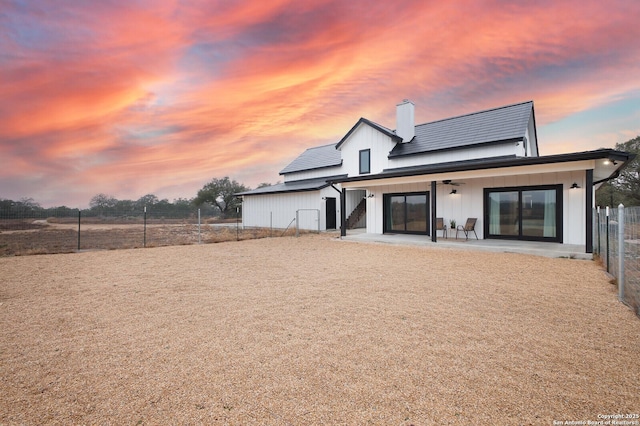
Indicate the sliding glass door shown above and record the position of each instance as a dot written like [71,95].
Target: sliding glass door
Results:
[527,213]
[406,213]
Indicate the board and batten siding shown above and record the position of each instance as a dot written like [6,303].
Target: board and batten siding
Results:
[469,200]
[366,137]
[278,210]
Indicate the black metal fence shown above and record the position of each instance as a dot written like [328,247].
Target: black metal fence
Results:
[25,230]
[617,244]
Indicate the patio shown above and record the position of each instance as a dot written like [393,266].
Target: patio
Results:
[501,246]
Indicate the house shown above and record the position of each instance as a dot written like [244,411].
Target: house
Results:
[483,165]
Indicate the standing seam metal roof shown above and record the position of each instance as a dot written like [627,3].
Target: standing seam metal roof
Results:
[494,125]
[315,158]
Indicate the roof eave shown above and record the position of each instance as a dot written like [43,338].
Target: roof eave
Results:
[282,172]
[499,164]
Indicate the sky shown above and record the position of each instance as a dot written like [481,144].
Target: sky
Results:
[135,97]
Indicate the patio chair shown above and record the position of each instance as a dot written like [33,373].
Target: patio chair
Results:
[468,227]
[440,226]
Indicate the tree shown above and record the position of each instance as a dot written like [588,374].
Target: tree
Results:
[103,204]
[147,200]
[265,184]
[625,188]
[221,194]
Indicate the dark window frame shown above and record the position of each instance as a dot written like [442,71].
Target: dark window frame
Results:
[520,189]
[368,163]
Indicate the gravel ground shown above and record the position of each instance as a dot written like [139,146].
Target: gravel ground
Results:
[312,330]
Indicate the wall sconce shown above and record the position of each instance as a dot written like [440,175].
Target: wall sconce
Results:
[324,198]
[370,195]
[575,185]
[453,191]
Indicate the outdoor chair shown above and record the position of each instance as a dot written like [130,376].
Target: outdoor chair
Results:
[468,227]
[440,226]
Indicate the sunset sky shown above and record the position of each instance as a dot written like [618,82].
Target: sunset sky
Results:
[132,97]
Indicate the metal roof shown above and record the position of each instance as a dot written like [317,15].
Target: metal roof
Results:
[295,186]
[502,124]
[315,158]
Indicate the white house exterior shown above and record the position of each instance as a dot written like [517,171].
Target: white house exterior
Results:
[483,165]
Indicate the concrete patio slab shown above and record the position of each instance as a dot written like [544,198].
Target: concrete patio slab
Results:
[506,246]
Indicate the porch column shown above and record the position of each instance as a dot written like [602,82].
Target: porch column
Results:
[433,212]
[588,187]
[343,213]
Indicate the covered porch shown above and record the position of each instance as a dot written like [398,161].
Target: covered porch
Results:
[537,248]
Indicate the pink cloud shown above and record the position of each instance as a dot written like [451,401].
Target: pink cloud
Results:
[127,98]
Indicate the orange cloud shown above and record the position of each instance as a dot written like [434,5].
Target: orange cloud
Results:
[126,98]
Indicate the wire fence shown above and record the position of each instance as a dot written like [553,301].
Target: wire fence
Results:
[617,245]
[25,230]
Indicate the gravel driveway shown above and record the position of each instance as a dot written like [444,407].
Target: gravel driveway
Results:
[312,330]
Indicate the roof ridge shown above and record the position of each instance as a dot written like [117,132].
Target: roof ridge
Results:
[475,113]
[320,146]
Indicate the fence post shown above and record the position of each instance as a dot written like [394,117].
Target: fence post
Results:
[297,224]
[270,224]
[79,214]
[598,222]
[607,235]
[199,237]
[237,215]
[621,252]
[144,238]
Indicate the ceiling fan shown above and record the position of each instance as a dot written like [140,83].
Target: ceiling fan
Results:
[450,182]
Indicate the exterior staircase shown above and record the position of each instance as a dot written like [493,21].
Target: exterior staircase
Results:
[357,214]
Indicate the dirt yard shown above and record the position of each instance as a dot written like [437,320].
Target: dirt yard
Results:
[312,330]
[53,238]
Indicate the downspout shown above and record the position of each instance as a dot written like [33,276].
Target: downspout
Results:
[612,177]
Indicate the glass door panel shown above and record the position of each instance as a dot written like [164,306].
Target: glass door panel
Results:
[539,213]
[503,213]
[416,213]
[396,215]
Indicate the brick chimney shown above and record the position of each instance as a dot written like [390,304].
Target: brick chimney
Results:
[405,120]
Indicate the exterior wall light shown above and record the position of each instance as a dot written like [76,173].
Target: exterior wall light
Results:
[453,191]
[575,185]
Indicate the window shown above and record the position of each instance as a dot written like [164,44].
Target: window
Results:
[406,213]
[365,161]
[528,213]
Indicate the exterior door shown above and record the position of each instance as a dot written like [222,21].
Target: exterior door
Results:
[331,212]
[406,213]
[525,213]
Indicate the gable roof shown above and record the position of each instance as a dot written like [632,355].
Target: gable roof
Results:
[314,158]
[376,126]
[504,124]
